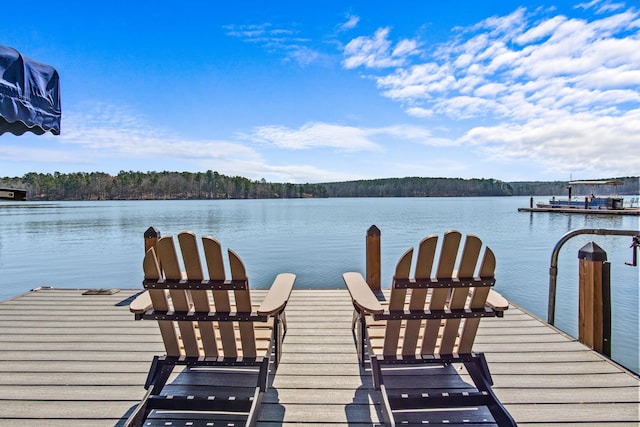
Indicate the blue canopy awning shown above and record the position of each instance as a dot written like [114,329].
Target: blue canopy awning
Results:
[29,95]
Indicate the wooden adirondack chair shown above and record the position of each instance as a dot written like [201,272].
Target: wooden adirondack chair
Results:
[430,320]
[207,323]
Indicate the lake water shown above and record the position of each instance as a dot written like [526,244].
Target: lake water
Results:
[100,245]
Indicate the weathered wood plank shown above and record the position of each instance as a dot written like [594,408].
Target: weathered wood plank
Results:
[576,413]
[7,367]
[581,395]
[122,356]
[64,392]
[32,336]
[97,379]
[80,346]
[54,410]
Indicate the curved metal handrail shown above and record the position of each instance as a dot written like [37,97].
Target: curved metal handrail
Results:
[553,267]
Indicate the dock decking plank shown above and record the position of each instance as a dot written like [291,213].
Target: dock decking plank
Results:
[72,360]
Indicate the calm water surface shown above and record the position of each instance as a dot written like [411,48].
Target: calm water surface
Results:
[100,245]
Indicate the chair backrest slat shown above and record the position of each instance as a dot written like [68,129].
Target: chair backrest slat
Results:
[488,266]
[221,300]
[200,298]
[180,298]
[151,268]
[193,269]
[243,304]
[448,254]
[418,299]
[403,269]
[239,273]
[478,300]
[440,296]
[397,302]
[466,268]
[215,267]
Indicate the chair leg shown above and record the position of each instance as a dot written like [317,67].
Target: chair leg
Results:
[156,379]
[162,371]
[277,338]
[361,333]
[479,372]
[500,414]
[263,374]
[253,412]
[283,320]
[137,417]
[387,413]
[376,372]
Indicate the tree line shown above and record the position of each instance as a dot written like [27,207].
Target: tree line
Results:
[419,187]
[130,185]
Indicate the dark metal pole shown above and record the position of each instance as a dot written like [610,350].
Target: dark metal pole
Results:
[553,267]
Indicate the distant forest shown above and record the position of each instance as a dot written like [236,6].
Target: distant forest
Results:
[212,185]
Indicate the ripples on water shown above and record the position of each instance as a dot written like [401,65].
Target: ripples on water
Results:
[100,244]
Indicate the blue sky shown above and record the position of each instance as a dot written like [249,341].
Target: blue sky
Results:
[336,90]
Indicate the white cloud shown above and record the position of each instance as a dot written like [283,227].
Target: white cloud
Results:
[598,145]
[107,134]
[277,40]
[499,25]
[610,7]
[377,51]
[419,112]
[352,22]
[101,134]
[403,132]
[31,154]
[540,31]
[303,174]
[555,88]
[404,48]
[344,138]
[315,135]
[110,131]
[588,5]
[490,89]
[603,6]
[303,55]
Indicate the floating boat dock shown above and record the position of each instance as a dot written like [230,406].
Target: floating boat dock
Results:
[13,194]
[597,205]
[625,211]
[68,359]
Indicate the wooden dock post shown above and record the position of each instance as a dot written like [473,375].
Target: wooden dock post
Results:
[151,237]
[373,257]
[594,303]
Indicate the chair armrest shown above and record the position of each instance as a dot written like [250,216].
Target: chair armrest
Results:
[141,304]
[278,294]
[497,301]
[361,294]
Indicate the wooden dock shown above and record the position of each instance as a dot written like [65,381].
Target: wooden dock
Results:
[68,359]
